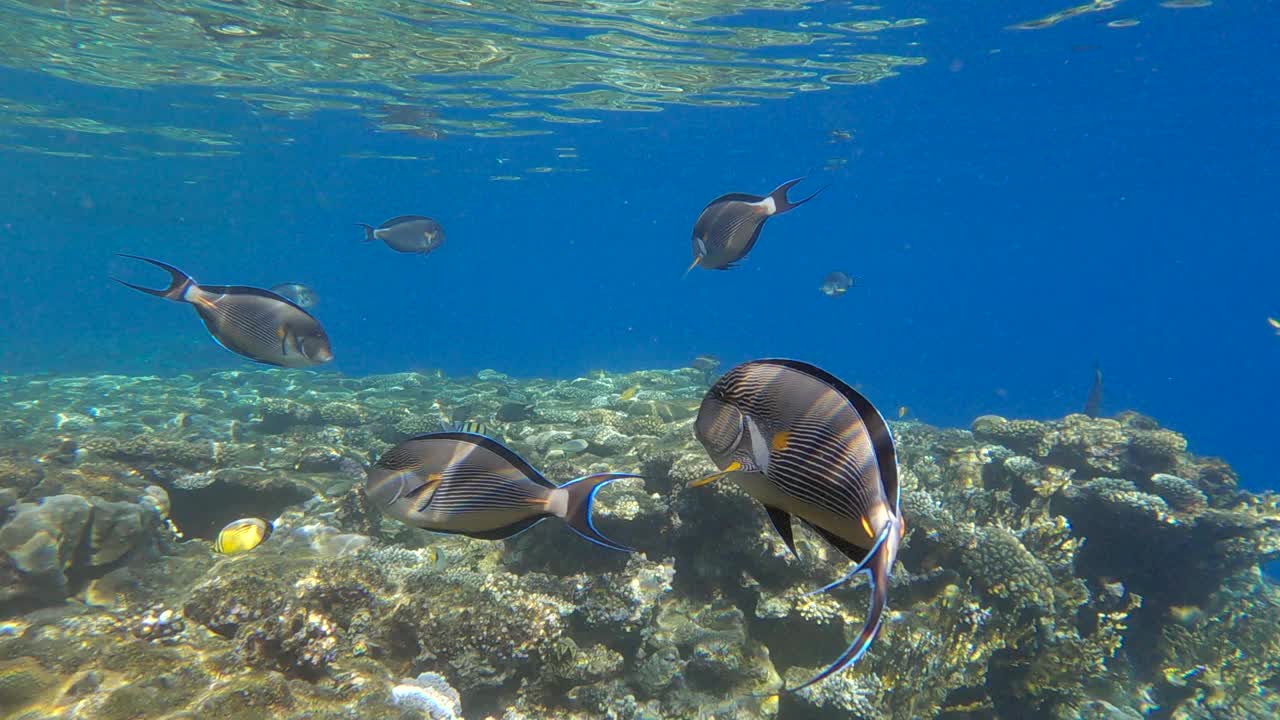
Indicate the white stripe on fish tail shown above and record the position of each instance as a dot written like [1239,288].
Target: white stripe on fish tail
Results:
[558,502]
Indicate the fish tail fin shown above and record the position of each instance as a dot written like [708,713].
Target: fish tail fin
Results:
[368,232]
[779,196]
[581,495]
[179,282]
[879,573]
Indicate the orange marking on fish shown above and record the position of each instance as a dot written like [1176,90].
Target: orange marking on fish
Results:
[733,466]
[780,441]
[866,525]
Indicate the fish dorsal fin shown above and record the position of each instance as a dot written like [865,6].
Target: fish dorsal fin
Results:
[399,219]
[496,448]
[853,552]
[247,290]
[781,520]
[736,197]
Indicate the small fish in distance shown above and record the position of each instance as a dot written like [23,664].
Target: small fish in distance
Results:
[836,284]
[1093,403]
[407,234]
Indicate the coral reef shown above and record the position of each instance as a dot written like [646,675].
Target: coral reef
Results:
[1079,568]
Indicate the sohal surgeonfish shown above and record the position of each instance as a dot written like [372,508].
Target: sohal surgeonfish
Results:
[407,234]
[729,226]
[807,445]
[248,321]
[466,484]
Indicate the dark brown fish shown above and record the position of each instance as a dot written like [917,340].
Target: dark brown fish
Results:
[807,445]
[248,321]
[407,234]
[729,226]
[1093,403]
[514,412]
[465,484]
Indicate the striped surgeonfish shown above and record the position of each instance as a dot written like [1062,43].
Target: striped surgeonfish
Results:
[729,226]
[465,484]
[807,445]
[248,321]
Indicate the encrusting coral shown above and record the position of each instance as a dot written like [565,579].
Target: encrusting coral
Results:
[1079,568]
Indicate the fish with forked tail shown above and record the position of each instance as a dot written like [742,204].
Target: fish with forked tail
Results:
[465,484]
[729,226]
[248,321]
[407,234]
[807,445]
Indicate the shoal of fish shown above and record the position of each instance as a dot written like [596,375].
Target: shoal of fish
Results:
[801,442]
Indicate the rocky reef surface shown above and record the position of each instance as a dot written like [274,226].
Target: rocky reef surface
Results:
[1080,568]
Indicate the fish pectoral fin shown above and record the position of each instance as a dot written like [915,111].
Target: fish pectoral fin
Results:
[733,467]
[282,332]
[781,520]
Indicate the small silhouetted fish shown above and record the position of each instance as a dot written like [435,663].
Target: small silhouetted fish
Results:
[1093,404]
[248,321]
[471,485]
[407,234]
[301,295]
[729,226]
[706,362]
[836,283]
[805,444]
[514,412]
[242,536]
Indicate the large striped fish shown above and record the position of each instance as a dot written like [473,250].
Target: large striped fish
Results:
[466,484]
[248,321]
[807,445]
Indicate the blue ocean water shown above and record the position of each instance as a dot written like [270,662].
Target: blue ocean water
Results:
[1021,205]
